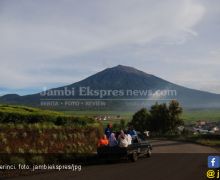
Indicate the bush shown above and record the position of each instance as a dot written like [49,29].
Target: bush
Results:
[17,160]
[37,160]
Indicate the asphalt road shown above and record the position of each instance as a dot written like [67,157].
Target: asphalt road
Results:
[170,160]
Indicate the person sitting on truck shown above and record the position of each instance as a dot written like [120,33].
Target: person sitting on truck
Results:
[129,138]
[122,138]
[108,130]
[103,141]
[132,132]
[112,140]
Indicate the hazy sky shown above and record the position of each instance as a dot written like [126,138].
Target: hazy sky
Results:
[49,43]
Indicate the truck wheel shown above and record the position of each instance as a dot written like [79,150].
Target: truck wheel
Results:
[134,157]
[149,153]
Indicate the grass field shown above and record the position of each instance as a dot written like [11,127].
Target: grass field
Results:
[189,116]
[206,114]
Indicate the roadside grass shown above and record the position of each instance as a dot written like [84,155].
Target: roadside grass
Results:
[190,116]
[206,140]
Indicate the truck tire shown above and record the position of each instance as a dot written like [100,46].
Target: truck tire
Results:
[134,157]
[149,153]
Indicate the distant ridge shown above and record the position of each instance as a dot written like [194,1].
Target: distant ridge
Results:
[126,78]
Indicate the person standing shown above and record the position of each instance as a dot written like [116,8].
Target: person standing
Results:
[108,130]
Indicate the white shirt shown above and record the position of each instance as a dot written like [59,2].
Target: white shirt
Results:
[123,142]
[129,138]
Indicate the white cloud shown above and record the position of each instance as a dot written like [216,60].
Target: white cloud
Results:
[37,36]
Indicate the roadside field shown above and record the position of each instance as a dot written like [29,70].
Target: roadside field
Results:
[203,114]
[189,116]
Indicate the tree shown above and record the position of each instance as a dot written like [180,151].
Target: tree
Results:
[141,120]
[175,110]
[159,118]
[162,118]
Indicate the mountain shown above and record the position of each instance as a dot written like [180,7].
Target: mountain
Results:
[120,87]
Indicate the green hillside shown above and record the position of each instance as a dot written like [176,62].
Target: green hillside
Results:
[27,110]
[23,114]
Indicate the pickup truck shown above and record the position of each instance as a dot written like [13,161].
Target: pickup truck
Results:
[139,147]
